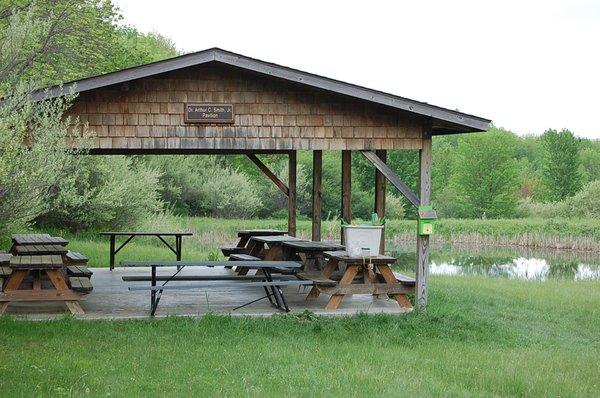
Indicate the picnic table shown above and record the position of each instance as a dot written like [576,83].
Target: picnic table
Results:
[39,250]
[270,247]
[39,267]
[38,239]
[245,235]
[310,252]
[130,235]
[374,277]
[271,285]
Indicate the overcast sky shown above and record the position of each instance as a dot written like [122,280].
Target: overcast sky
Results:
[527,65]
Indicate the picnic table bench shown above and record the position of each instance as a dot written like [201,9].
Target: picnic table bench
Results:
[38,267]
[130,235]
[374,277]
[245,235]
[272,286]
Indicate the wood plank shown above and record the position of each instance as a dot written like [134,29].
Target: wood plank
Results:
[75,307]
[79,270]
[229,250]
[422,272]
[15,279]
[292,197]
[37,280]
[342,255]
[316,277]
[317,194]
[380,192]
[250,264]
[80,284]
[336,299]
[263,167]
[145,233]
[222,285]
[36,262]
[39,295]
[147,278]
[57,279]
[75,258]
[346,189]
[361,288]
[392,177]
[390,278]
[243,257]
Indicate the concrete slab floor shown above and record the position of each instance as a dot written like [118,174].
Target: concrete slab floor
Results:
[111,299]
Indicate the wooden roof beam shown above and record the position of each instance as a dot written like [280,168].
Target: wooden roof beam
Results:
[392,177]
[263,167]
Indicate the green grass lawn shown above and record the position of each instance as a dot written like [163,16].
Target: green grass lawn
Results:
[479,337]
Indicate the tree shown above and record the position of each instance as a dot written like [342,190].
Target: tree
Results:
[66,40]
[485,177]
[48,42]
[61,40]
[33,135]
[560,165]
[590,160]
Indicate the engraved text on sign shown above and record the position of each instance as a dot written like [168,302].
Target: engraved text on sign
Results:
[208,113]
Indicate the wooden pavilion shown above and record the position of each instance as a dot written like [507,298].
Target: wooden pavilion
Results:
[218,102]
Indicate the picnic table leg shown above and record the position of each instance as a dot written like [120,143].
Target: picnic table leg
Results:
[347,279]
[277,292]
[14,281]
[178,247]
[389,277]
[153,292]
[112,252]
[59,283]
[327,271]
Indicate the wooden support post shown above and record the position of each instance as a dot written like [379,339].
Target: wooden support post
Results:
[292,193]
[380,185]
[317,194]
[346,188]
[423,241]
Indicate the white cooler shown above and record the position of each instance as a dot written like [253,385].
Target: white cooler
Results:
[362,240]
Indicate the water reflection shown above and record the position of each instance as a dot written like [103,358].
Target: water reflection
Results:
[518,263]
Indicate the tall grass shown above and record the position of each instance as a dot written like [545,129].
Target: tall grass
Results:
[210,233]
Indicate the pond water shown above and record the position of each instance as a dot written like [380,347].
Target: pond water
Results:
[520,263]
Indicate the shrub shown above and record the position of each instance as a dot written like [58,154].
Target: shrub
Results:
[394,207]
[104,192]
[226,193]
[586,203]
[529,208]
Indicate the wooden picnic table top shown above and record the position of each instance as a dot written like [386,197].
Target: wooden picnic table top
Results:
[36,262]
[276,239]
[38,239]
[260,232]
[39,250]
[245,264]
[303,246]
[145,233]
[342,255]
